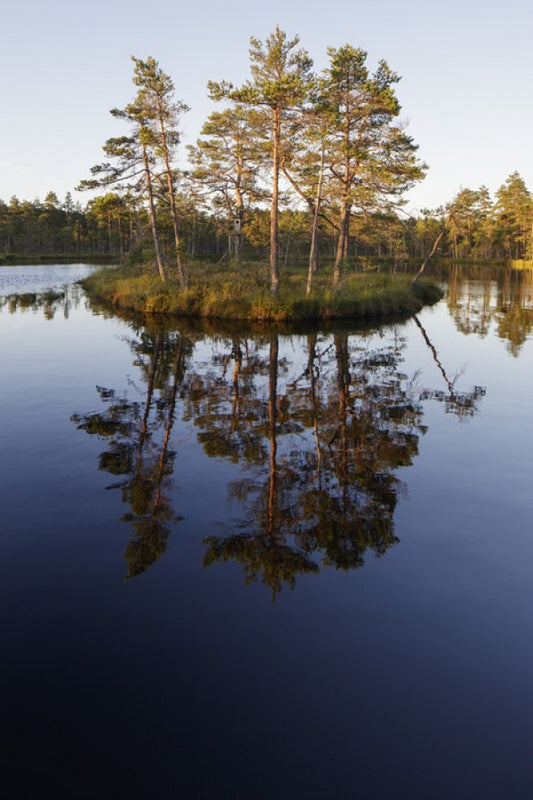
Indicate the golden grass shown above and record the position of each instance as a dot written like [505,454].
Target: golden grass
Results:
[242,293]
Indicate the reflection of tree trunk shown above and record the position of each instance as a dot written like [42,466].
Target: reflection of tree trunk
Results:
[311,346]
[235,406]
[343,382]
[149,397]
[169,425]
[434,353]
[272,398]
[453,287]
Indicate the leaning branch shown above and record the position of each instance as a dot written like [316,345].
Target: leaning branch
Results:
[433,249]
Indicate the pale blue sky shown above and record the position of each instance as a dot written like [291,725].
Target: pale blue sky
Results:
[467,72]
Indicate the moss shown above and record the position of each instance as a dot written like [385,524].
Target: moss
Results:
[242,293]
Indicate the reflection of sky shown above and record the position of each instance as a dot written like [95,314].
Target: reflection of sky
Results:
[35,279]
[473,452]
[422,657]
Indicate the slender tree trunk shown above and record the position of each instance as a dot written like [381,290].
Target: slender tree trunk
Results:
[274,211]
[153,221]
[430,256]
[313,253]
[346,207]
[342,244]
[172,199]
[120,237]
[238,231]
[239,218]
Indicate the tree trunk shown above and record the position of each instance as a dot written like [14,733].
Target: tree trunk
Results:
[313,253]
[274,211]
[431,254]
[153,221]
[172,199]
[342,244]
[238,232]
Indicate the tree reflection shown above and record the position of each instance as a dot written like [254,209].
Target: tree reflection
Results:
[137,437]
[322,488]
[462,404]
[484,296]
[316,430]
[50,302]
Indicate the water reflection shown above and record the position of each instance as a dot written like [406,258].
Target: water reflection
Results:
[462,404]
[137,436]
[480,297]
[319,426]
[321,488]
[50,302]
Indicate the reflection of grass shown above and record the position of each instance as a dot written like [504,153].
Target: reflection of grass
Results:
[521,264]
[230,292]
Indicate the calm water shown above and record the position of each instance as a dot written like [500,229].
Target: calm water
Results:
[266,566]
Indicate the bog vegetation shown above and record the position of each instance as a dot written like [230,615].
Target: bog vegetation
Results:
[302,171]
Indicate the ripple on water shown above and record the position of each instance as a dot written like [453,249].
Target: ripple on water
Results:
[34,279]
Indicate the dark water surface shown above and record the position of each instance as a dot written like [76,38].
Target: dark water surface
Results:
[266,566]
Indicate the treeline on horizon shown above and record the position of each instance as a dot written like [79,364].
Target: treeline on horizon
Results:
[296,168]
[483,229]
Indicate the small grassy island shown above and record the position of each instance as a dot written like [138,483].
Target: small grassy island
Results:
[291,159]
[243,293]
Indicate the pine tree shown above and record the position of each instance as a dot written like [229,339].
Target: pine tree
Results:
[226,162]
[371,159]
[281,82]
[160,112]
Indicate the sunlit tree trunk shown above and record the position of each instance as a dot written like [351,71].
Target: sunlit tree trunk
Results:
[274,211]
[342,244]
[313,253]
[153,220]
[172,201]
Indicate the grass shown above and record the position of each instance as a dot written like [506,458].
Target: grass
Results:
[242,293]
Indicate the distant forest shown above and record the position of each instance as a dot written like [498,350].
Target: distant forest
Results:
[110,225]
[295,167]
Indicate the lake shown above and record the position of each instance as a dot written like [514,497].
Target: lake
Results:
[259,563]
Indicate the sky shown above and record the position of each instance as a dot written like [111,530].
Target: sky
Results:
[466,88]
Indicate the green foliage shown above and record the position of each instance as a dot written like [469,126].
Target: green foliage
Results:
[327,150]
